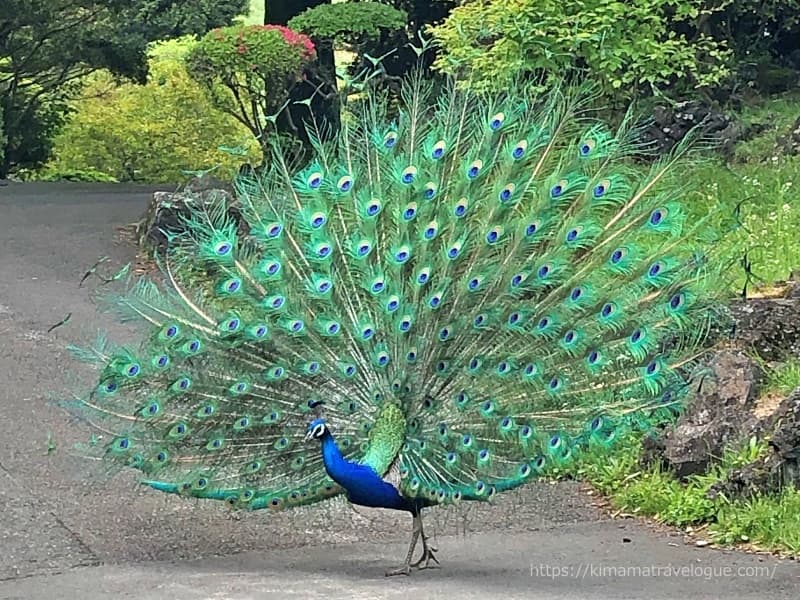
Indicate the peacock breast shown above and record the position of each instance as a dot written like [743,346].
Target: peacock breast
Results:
[386,438]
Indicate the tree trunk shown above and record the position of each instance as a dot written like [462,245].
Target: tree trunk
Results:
[325,109]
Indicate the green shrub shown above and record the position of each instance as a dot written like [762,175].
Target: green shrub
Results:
[153,132]
[92,175]
[624,46]
[349,22]
[250,70]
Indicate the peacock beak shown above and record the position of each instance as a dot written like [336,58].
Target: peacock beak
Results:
[309,436]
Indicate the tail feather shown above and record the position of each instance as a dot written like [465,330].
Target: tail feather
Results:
[487,285]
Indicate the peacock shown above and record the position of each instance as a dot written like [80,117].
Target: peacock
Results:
[454,296]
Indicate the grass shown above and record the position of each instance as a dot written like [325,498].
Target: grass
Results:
[777,114]
[753,201]
[783,379]
[768,522]
[755,207]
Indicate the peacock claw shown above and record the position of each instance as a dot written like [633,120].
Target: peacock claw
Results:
[404,570]
[428,555]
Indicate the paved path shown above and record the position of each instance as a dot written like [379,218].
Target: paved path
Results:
[65,535]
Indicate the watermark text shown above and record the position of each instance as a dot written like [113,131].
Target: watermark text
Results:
[589,571]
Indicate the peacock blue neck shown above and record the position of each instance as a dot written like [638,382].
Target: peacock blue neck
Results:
[363,485]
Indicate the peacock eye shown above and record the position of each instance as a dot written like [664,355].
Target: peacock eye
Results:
[390,140]
[345,183]
[223,248]
[656,216]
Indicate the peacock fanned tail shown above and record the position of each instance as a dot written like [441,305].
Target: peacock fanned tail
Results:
[474,290]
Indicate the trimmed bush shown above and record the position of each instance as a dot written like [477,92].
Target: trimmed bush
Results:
[151,133]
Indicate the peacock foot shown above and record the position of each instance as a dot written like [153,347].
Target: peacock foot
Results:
[404,570]
[428,555]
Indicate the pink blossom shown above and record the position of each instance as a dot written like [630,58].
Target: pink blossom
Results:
[292,38]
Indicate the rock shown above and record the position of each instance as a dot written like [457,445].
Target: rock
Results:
[207,182]
[670,125]
[167,209]
[780,467]
[725,411]
[768,326]
[720,414]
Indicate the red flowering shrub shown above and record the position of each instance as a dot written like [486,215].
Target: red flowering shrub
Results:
[249,71]
[292,38]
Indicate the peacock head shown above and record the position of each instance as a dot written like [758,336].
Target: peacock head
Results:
[316,429]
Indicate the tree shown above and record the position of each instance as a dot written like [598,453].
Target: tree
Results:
[150,132]
[625,46]
[249,72]
[46,45]
[422,13]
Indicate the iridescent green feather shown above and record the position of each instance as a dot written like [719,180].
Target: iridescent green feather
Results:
[476,292]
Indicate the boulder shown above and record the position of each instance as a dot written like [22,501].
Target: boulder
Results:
[720,414]
[770,327]
[670,124]
[167,209]
[779,467]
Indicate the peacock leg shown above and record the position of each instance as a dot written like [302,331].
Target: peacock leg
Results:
[416,531]
[428,553]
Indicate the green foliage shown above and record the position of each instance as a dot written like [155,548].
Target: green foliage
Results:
[771,521]
[148,132]
[758,28]
[610,472]
[625,46]
[424,12]
[31,120]
[349,22]
[2,139]
[755,205]
[86,175]
[42,38]
[48,46]
[785,378]
[249,71]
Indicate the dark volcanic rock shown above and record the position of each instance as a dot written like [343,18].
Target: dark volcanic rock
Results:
[768,326]
[671,124]
[167,210]
[720,414]
[779,467]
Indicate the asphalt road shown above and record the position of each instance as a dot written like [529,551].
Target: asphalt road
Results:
[66,534]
